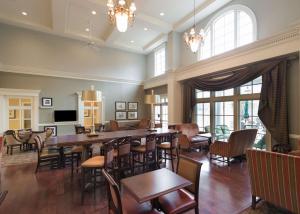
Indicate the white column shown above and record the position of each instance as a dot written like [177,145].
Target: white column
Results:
[35,112]
[174,100]
[80,109]
[3,114]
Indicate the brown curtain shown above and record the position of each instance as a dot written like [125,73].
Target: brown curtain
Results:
[273,100]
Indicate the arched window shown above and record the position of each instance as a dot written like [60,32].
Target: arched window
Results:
[232,27]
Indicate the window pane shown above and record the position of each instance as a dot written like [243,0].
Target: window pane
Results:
[245,28]
[206,46]
[228,92]
[202,94]
[252,87]
[160,61]
[228,108]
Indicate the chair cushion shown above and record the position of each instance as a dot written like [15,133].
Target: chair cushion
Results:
[164,145]
[199,139]
[138,149]
[94,162]
[177,202]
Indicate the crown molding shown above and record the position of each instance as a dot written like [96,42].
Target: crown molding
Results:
[63,74]
[277,45]
[19,92]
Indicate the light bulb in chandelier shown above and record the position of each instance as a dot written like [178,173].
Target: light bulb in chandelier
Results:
[122,21]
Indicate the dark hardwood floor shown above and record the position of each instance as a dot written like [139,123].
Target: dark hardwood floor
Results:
[223,190]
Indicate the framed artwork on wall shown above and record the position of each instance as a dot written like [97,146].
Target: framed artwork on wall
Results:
[132,115]
[53,128]
[120,115]
[132,106]
[120,106]
[47,102]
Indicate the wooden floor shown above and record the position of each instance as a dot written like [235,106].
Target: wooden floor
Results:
[223,190]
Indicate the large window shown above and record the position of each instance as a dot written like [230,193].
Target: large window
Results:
[160,61]
[222,112]
[233,27]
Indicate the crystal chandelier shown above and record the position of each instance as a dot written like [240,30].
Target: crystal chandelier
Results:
[192,39]
[121,14]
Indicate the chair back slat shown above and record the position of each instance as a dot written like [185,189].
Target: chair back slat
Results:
[113,193]
[150,143]
[123,146]
[108,149]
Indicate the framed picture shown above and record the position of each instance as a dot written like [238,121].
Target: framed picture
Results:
[132,106]
[120,115]
[132,115]
[12,114]
[47,102]
[120,106]
[53,128]
[86,113]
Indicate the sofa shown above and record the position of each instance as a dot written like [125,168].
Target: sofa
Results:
[275,178]
[189,137]
[236,145]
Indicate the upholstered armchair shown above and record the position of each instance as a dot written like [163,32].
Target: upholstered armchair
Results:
[236,145]
[144,124]
[11,141]
[189,137]
[274,177]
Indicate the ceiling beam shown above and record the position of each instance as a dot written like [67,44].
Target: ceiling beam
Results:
[155,43]
[59,15]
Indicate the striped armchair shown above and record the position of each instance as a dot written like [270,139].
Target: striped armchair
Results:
[275,178]
[236,146]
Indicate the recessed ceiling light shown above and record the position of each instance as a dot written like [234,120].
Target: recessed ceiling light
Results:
[94,12]
[87,29]
[131,41]
[24,13]
[162,14]
[145,29]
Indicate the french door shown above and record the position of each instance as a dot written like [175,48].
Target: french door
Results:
[20,112]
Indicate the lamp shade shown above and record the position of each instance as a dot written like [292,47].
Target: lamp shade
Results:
[150,99]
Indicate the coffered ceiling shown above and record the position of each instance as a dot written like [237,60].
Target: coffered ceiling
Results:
[86,20]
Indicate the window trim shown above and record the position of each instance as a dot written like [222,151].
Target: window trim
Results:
[218,15]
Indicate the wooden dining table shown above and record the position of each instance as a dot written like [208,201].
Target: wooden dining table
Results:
[149,186]
[102,137]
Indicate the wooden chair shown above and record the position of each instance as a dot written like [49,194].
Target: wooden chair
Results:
[238,143]
[185,199]
[91,165]
[49,157]
[128,205]
[49,133]
[123,157]
[114,126]
[167,149]
[11,141]
[147,153]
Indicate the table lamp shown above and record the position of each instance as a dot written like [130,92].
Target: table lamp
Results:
[92,96]
[151,100]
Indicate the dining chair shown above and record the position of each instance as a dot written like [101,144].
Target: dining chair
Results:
[124,205]
[91,165]
[167,149]
[145,155]
[187,198]
[48,156]
[144,124]
[11,141]
[123,157]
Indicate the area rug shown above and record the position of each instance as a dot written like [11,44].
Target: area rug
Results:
[17,158]
[264,207]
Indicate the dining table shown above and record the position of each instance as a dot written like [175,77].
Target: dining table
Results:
[150,185]
[86,140]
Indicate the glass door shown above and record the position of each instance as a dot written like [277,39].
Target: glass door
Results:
[19,113]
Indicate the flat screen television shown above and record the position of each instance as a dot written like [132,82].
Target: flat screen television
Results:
[65,116]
